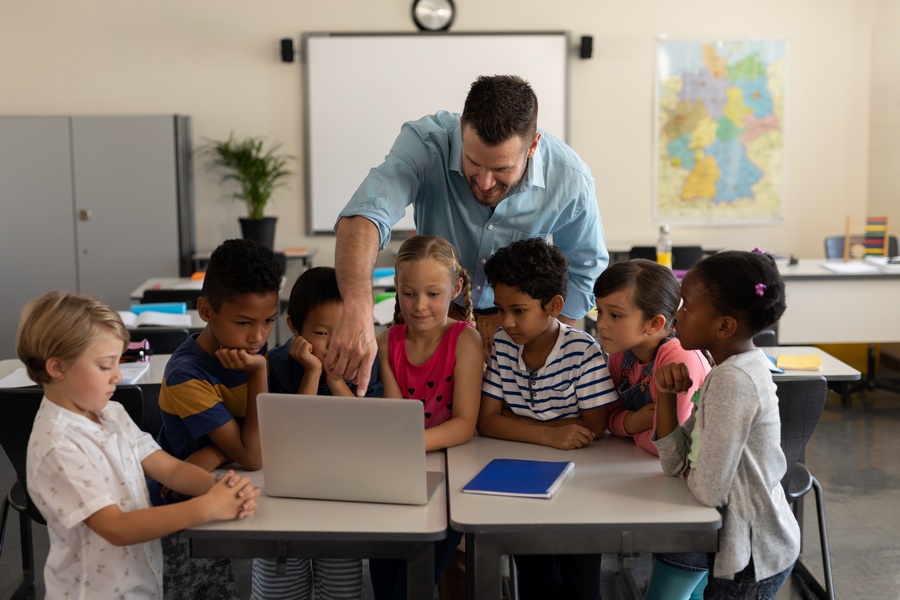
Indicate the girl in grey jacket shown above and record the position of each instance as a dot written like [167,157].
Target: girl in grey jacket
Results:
[730,448]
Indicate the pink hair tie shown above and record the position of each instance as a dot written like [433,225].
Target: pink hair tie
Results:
[760,289]
[758,251]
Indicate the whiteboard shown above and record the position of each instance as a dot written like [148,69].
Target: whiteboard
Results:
[360,88]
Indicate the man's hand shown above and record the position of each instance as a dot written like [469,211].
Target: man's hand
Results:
[352,351]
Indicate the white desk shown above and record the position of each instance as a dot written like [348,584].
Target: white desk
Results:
[616,501]
[287,528]
[826,307]
[153,376]
[834,370]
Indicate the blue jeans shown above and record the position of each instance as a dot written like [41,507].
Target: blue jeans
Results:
[744,585]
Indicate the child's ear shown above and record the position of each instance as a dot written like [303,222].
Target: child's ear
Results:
[204,309]
[655,325]
[290,324]
[728,326]
[555,306]
[55,367]
[457,290]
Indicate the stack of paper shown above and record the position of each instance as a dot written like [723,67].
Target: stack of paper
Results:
[799,362]
[152,317]
[854,267]
[888,265]
[132,371]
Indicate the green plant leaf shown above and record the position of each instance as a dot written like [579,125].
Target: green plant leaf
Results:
[257,169]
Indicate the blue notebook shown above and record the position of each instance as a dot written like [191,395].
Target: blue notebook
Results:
[525,478]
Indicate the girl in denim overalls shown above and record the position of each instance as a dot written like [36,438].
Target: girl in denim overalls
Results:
[636,304]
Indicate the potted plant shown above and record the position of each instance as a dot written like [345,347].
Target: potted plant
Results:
[259,170]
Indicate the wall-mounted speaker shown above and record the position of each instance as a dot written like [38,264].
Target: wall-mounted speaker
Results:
[586,50]
[287,50]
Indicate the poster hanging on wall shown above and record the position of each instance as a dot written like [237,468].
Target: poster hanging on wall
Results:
[719,130]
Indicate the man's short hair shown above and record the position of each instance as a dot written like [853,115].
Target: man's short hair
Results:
[532,266]
[238,267]
[500,107]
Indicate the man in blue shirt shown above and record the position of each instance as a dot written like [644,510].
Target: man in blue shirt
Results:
[482,180]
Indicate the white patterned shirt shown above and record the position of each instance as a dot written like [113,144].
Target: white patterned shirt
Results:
[573,379]
[76,467]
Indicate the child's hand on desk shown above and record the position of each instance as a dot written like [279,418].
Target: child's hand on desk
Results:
[238,359]
[673,378]
[302,351]
[568,437]
[232,497]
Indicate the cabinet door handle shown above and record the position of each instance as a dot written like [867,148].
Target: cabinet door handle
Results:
[84,214]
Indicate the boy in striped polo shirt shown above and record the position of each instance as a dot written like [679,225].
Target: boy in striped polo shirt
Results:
[547,383]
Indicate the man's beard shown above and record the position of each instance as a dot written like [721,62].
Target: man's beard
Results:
[501,191]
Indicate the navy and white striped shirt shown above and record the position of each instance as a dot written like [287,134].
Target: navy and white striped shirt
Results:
[573,379]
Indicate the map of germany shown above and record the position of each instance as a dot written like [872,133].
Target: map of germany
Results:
[720,130]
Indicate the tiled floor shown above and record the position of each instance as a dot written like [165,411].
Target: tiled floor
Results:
[854,453]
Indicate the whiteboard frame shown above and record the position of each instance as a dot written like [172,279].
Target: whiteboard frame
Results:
[342,81]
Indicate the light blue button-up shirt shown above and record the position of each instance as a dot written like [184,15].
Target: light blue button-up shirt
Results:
[555,197]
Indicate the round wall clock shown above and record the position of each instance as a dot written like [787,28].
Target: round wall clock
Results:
[433,15]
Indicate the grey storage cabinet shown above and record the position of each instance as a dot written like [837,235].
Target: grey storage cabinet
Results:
[95,205]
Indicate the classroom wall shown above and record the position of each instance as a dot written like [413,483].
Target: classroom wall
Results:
[218,61]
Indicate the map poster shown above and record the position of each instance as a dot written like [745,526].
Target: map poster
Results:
[719,138]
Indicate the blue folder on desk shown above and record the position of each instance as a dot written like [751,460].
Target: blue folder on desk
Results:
[524,478]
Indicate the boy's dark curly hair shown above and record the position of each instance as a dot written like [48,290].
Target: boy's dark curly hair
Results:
[744,285]
[314,287]
[532,266]
[239,267]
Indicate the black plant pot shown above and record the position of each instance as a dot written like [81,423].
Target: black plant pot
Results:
[262,230]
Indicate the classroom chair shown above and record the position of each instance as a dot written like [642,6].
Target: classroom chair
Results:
[800,404]
[19,407]
[834,245]
[683,257]
[188,296]
[766,337]
[162,340]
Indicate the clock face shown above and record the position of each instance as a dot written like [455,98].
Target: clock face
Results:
[433,15]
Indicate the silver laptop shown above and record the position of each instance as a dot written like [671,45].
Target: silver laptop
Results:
[338,448]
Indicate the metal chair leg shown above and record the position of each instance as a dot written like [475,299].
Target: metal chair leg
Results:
[823,538]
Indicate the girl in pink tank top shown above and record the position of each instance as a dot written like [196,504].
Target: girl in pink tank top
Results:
[427,356]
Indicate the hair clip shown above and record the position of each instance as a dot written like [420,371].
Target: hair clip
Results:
[760,289]
[757,251]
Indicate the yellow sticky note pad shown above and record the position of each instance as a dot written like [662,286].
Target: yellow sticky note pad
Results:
[799,362]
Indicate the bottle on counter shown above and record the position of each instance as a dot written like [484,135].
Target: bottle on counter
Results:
[664,247]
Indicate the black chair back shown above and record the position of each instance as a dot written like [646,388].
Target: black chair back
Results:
[683,257]
[766,337]
[19,407]
[800,404]
[188,296]
[162,340]
[834,245]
